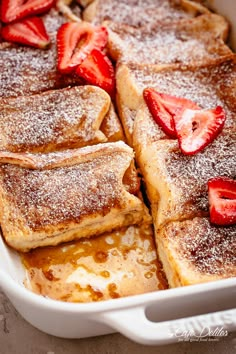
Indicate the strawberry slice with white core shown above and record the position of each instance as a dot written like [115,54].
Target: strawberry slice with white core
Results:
[75,41]
[14,10]
[195,129]
[222,200]
[97,70]
[164,107]
[30,31]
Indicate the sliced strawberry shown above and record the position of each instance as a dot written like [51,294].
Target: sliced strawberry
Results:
[196,129]
[12,10]
[163,107]
[76,40]
[30,31]
[222,200]
[97,70]
[158,111]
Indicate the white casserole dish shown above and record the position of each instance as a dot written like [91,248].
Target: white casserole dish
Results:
[226,8]
[155,318]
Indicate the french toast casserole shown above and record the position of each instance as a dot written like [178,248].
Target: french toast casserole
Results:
[117,145]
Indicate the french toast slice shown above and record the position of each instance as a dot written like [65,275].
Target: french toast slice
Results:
[111,126]
[113,265]
[194,251]
[208,85]
[51,198]
[26,70]
[192,41]
[58,119]
[69,9]
[84,3]
[136,13]
[53,21]
[176,183]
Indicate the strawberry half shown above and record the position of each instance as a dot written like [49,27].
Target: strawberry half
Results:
[164,107]
[30,31]
[12,10]
[76,40]
[97,70]
[222,200]
[196,129]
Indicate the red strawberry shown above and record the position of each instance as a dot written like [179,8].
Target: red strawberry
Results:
[222,200]
[12,10]
[163,107]
[76,40]
[97,70]
[30,31]
[196,129]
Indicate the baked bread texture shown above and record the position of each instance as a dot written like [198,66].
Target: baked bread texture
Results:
[208,85]
[191,249]
[58,119]
[57,197]
[194,251]
[27,70]
[136,13]
[111,126]
[192,41]
[66,174]
[177,184]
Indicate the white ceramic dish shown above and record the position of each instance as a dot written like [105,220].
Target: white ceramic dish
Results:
[226,8]
[155,318]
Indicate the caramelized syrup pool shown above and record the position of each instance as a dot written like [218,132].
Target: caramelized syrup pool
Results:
[113,265]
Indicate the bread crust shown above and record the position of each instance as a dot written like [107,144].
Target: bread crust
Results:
[136,14]
[194,251]
[193,41]
[58,197]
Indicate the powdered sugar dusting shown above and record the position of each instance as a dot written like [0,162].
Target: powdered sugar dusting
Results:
[189,174]
[128,117]
[166,44]
[210,249]
[208,86]
[53,120]
[139,13]
[146,130]
[53,21]
[66,194]
[25,70]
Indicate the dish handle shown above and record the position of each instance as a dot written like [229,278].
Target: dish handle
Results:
[134,324]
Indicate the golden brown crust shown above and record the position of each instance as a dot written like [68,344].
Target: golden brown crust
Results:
[208,85]
[127,117]
[111,126]
[27,70]
[176,183]
[136,14]
[192,41]
[55,120]
[70,10]
[194,251]
[79,194]
[50,198]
